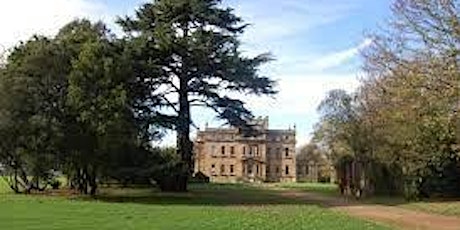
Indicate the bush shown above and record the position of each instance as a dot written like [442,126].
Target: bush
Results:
[55,184]
[199,177]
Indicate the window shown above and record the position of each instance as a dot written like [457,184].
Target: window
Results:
[222,169]
[232,150]
[244,150]
[249,169]
[287,170]
[213,169]
[286,152]
[231,169]
[222,150]
[286,137]
[267,170]
[256,149]
[257,169]
[213,151]
[306,170]
[277,170]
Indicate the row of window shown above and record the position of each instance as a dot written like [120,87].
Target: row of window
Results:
[232,169]
[277,170]
[232,137]
[278,138]
[278,150]
[252,150]
[222,169]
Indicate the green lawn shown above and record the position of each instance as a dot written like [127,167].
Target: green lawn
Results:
[205,207]
[322,188]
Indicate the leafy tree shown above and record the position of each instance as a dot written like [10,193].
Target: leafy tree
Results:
[65,105]
[97,95]
[312,152]
[187,53]
[404,119]
[31,83]
[413,92]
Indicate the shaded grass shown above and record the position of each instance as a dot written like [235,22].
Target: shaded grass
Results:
[199,194]
[211,206]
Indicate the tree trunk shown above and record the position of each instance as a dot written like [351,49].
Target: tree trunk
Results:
[184,146]
[92,185]
[92,180]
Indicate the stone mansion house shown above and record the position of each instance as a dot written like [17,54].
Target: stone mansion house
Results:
[225,155]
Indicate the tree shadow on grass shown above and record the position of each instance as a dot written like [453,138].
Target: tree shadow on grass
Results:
[208,194]
[240,195]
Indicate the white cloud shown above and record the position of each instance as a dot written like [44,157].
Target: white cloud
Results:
[288,17]
[20,19]
[338,58]
[300,95]
[304,76]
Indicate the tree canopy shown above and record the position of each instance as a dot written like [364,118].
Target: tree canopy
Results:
[89,104]
[189,54]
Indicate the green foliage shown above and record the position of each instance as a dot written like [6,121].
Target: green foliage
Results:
[55,183]
[189,53]
[403,122]
[313,153]
[66,105]
[84,101]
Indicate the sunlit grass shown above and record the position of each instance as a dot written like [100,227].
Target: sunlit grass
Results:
[212,206]
[322,188]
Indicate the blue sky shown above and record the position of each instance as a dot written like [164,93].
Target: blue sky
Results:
[316,45]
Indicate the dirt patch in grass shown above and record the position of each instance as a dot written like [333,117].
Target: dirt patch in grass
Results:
[394,216]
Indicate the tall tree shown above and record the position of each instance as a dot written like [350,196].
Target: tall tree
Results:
[30,108]
[188,54]
[98,97]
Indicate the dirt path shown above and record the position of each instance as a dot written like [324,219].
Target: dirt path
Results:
[393,216]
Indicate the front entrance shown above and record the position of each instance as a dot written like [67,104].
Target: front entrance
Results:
[253,170]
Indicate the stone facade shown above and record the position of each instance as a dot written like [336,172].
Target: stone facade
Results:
[225,155]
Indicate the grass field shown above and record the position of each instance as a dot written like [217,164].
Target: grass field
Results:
[205,207]
[322,188]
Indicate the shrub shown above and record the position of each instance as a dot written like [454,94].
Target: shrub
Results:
[55,184]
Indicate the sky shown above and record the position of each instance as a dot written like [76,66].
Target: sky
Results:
[316,45]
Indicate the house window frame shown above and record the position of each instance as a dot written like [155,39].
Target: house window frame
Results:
[222,169]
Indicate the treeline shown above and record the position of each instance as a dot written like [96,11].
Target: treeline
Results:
[402,126]
[90,104]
